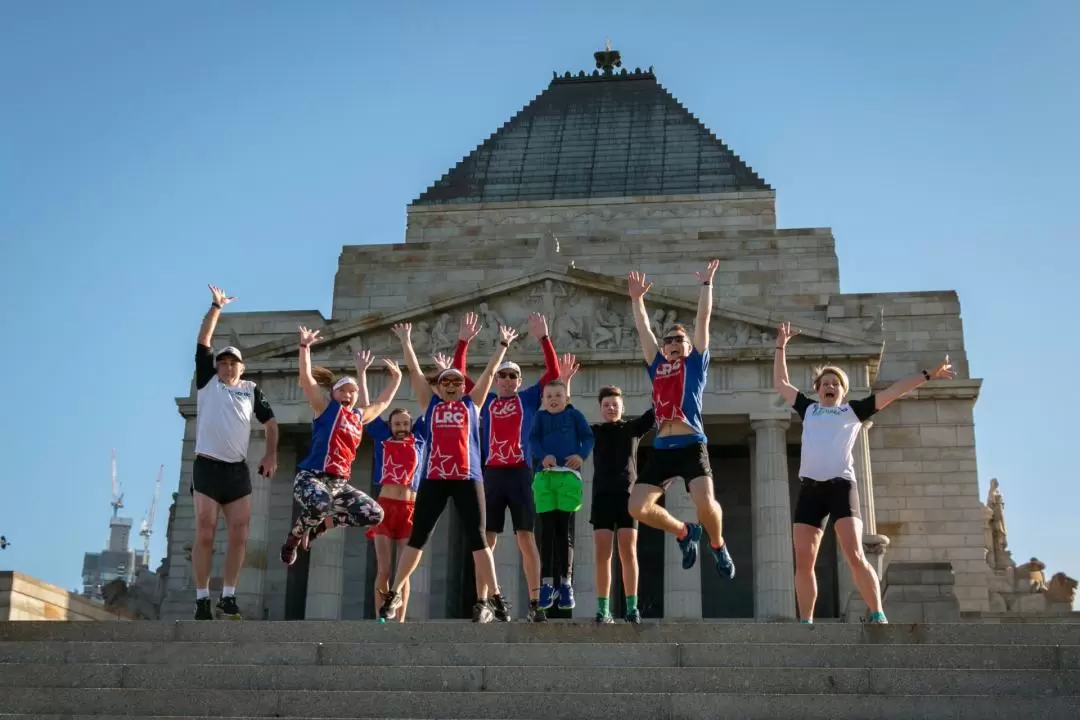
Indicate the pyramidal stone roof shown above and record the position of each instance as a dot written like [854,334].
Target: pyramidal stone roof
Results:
[605,134]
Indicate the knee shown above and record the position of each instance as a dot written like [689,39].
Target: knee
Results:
[238,531]
[805,559]
[204,530]
[636,507]
[372,514]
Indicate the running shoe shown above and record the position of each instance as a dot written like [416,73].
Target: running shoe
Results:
[536,613]
[390,606]
[229,608]
[481,612]
[725,566]
[689,545]
[501,608]
[878,618]
[604,619]
[547,597]
[634,617]
[566,596]
[289,551]
[202,609]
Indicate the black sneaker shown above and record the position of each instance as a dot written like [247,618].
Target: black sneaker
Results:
[634,617]
[536,613]
[390,606]
[481,612]
[229,608]
[202,609]
[501,607]
[604,619]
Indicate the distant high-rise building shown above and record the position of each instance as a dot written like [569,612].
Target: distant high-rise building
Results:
[118,560]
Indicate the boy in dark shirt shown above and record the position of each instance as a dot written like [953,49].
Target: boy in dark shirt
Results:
[614,472]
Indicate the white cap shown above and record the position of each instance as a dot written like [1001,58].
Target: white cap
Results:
[229,351]
[509,365]
[449,371]
[346,381]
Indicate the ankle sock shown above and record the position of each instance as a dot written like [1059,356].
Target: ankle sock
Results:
[564,580]
[201,593]
[631,603]
[683,533]
[548,581]
[228,591]
[602,607]
[877,616]
[806,622]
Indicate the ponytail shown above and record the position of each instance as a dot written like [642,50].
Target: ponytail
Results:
[323,377]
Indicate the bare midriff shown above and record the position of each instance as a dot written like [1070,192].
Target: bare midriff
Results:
[671,428]
[396,492]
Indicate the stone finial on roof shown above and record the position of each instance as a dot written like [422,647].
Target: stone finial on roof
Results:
[607,59]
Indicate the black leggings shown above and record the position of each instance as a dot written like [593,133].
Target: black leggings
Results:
[556,544]
[431,499]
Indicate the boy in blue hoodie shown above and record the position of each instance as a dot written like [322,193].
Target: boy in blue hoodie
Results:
[560,440]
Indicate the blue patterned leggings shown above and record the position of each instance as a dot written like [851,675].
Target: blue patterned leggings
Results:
[321,496]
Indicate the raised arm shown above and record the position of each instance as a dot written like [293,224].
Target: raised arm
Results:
[585,437]
[642,423]
[638,287]
[363,361]
[315,396]
[218,301]
[780,374]
[483,383]
[468,329]
[704,307]
[538,328]
[568,367]
[900,388]
[417,380]
[375,409]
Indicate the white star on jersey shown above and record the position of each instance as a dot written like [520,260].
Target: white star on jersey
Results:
[437,465]
[393,473]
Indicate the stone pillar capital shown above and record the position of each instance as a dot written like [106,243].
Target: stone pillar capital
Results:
[875,544]
[765,420]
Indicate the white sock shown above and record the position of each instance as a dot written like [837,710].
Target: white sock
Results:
[547,581]
[228,591]
[564,580]
[201,593]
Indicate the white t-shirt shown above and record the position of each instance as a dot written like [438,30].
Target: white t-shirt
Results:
[828,436]
[223,419]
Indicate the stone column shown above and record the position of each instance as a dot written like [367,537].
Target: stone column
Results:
[774,566]
[326,577]
[682,588]
[250,587]
[865,478]
[584,560]
[508,569]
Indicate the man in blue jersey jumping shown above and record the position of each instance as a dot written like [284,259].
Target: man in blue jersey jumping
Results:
[678,368]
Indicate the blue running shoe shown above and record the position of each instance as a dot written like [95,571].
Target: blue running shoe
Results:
[689,545]
[547,597]
[566,597]
[725,566]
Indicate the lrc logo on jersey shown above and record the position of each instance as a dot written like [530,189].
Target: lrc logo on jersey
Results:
[668,369]
[448,417]
[504,409]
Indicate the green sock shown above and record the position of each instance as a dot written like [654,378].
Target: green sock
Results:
[631,603]
[602,606]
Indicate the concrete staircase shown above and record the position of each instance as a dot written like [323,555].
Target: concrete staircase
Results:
[656,671]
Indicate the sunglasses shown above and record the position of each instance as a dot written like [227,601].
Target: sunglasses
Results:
[451,383]
[670,339]
[507,376]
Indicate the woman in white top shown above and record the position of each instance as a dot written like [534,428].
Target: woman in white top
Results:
[827,471]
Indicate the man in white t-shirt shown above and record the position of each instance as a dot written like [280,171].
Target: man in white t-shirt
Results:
[830,426]
[220,475]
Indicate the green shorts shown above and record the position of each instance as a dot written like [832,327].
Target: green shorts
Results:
[557,490]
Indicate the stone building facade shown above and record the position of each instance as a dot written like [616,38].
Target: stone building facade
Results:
[599,175]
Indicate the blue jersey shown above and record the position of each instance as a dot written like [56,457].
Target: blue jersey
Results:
[453,440]
[505,425]
[678,388]
[335,435]
[397,462]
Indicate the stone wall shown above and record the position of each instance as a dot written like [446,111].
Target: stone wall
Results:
[661,214]
[25,598]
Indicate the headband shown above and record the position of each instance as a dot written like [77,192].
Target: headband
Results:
[345,381]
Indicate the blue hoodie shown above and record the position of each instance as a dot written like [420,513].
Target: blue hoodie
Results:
[559,434]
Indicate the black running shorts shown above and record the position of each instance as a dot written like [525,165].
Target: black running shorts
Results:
[820,499]
[223,482]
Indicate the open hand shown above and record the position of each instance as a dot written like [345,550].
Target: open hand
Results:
[392,368]
[710,270]
[469,327]
[220,298]
[403,331]
[441,361]
[574,462]
[638,286]
[507,334]
[538,326]
[784,333]
[307,337]
[944,371]
[568,367]
[364,358]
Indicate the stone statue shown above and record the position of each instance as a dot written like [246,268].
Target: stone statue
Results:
[607,326]
[998,532]
[490,321]
[1030,577]
[1062,589]
[421,336]
[569,331]
[548,293]
[441,340]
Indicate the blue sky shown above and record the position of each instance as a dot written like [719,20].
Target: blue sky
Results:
[147,149]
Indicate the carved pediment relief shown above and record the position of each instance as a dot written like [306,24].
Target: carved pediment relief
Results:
[586,313]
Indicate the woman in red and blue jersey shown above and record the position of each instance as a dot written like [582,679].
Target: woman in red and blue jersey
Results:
[451,469]
[322,486]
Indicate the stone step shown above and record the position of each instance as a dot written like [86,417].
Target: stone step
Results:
[555,631]
[516,706]
[600,679]
[660,655]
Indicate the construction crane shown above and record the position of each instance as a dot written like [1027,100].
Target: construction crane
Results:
[147,528]
[117,496]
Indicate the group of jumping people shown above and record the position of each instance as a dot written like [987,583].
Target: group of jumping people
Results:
[493,446]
